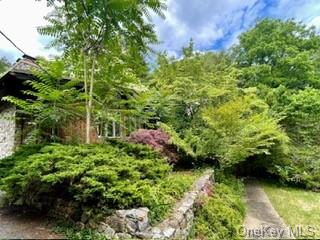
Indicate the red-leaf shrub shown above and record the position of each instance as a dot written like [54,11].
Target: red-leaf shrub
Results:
[158,140]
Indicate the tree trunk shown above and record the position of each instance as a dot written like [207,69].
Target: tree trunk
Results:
[85,79]
[89,103]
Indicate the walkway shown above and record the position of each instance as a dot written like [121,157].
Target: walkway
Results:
[262,220]
[18,226]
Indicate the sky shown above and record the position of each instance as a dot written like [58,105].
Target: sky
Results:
[212,24]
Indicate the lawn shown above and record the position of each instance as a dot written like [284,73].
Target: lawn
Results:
[297,207]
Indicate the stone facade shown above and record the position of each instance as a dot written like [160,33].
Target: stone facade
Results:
[134,223]
[7,131]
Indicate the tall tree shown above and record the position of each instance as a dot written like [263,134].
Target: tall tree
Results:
[84,29]
[276,52]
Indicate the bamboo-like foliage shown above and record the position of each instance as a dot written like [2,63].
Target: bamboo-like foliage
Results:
[85,28]
[51,100]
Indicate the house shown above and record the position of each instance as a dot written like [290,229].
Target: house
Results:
[15,127]
[12,83]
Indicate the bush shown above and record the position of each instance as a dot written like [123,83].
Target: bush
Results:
[222,215]
[166,141]
[8,163]
[92,180]
[85,175]
[157,140]
[302,168]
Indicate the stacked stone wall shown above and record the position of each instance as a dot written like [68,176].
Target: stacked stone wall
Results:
[7,131]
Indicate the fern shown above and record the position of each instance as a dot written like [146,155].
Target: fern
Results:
[50,100]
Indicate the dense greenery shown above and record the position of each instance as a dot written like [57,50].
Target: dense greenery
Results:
[256,106]
[217,119]
[222,214]
[98,33]
[52,101]
[92,179]
[285,70]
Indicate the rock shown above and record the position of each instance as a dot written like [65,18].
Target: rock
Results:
[2,198]
[80,225]
[123,236]
[117,223]
[92,224]
[106,230]
[131,226]
[157,233]
[144,235]
[169,232]
[131,221]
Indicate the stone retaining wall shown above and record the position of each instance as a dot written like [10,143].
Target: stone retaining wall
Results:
[134,223]
[7,131]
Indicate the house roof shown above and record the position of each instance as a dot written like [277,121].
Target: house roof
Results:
[23,65]
[12,82]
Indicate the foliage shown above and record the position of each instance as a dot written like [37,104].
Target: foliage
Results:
[239,129]
[181,145]
[303,116]
[288,56]
[94,179]
[216,119]
[23,152]
[285,69]
[222,215]
[182,88]
[166,141]
[85,32]
[158,140]
[4,65]
[73,233]
[51,99]
[301,168]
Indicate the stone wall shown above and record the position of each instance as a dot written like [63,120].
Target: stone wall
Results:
[134,223]
[7,131]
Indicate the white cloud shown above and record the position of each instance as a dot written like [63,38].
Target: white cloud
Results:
[211,23]
[217,24]
[19,20]
[205,21]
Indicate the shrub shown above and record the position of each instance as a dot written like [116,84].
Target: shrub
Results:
[91,180]
[8,163]
[85,177]
[157,140]
[302,167]
[166,141]
[222,215]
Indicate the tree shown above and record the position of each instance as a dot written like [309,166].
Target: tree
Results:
[53,100]
[85,29]
[4,65]
[198,96]
[276,52]
[281,59]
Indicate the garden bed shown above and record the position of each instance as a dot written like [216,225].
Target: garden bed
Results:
[84,183]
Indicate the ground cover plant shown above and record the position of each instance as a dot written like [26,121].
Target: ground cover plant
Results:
[221,215]
[92,179]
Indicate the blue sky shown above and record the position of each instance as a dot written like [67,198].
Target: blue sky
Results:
[213,24]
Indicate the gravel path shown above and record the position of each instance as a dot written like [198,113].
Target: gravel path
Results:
[262,220]
[14,225]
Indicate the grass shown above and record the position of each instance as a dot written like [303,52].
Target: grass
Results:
[297,207]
